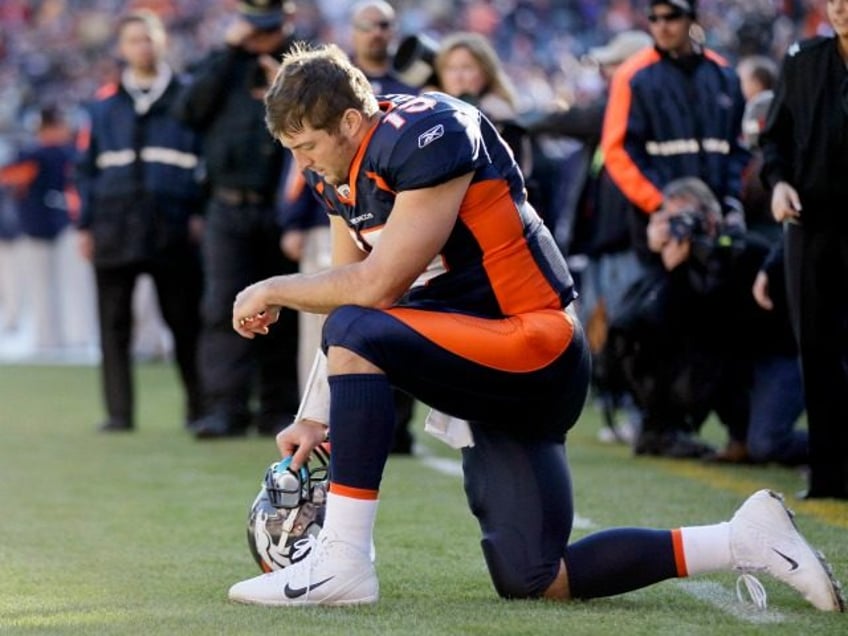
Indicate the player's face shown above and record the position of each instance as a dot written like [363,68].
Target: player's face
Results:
[327,155]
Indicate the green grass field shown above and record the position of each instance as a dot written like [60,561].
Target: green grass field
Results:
[144,533]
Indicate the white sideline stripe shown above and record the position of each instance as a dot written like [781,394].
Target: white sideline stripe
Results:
[442,465]
[725,600]
[453,468]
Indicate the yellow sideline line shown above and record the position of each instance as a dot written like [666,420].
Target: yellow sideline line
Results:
[831,512]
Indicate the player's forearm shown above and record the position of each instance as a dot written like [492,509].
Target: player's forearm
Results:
[321,292]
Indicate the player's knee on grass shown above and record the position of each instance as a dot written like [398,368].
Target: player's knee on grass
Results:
[515,573]
[519,490]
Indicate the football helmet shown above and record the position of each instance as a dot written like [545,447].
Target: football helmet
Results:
[288,512]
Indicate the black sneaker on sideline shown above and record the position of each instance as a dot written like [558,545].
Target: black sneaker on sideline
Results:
[115,425]
[217,426]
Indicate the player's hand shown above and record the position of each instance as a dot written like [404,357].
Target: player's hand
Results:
[298,439]
[785,203]
[252,315]
[257,324]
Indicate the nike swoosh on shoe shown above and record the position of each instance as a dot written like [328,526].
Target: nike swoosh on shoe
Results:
[793,564]
[297,592]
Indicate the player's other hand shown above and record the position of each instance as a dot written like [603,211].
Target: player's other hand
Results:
[298,439]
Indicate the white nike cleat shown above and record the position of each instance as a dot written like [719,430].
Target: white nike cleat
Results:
[334,573]
[763,537]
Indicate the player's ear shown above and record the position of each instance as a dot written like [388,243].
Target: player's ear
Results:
[351,121]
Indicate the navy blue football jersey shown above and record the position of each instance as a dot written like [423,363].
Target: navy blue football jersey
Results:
[500,259]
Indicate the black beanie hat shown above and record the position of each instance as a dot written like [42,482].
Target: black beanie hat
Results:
[687,6]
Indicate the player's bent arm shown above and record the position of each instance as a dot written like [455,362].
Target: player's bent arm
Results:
[420,223]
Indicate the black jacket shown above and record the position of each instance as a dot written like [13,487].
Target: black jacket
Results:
[805,141]
[707,301]
[224,104]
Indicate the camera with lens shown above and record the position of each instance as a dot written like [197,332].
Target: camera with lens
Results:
[686,225]
[415,59]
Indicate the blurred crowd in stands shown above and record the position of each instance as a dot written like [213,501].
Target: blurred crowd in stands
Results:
[60,51]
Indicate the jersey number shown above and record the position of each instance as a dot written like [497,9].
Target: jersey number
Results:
[416,104]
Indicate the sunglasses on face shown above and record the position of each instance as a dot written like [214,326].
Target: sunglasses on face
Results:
[382,25]
[674,16]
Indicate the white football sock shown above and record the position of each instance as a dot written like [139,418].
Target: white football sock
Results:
[706,548]
[351,519]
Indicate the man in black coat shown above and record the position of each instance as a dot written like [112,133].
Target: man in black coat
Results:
[242,235]
[805,156]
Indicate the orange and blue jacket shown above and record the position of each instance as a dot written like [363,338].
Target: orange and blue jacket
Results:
[669,118]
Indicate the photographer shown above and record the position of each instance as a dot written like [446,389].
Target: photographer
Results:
[690,330]
[241,241]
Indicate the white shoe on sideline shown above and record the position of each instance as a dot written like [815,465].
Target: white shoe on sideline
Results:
[763,537]
[334,573]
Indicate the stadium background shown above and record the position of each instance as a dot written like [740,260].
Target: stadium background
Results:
[60,51]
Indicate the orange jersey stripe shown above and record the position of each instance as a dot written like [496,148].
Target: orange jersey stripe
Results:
[356,164]
[679,557]
[624,172]
[490,214]
[381,183]
[518,344]
[353,493]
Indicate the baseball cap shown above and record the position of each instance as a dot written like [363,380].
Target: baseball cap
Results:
[686,6]
[620,47]
[262,14]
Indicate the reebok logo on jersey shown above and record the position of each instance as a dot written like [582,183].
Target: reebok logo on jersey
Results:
[793,564]
[429,136]
[297,592]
